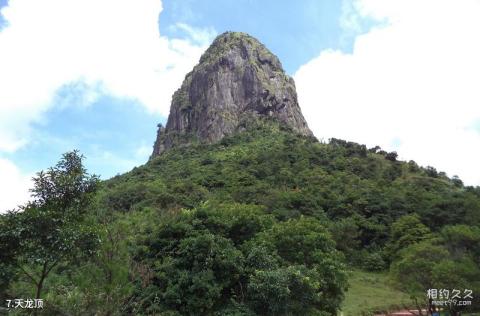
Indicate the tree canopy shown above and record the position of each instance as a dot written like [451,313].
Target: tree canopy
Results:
[49,229]
[264,222]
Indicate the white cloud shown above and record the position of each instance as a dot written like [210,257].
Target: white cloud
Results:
[58,52]
[14,186]
[112,46]
[199,36]
[411,84]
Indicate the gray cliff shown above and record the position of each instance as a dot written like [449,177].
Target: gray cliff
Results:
[237,79]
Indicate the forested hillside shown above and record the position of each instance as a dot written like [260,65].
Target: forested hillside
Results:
[265,222]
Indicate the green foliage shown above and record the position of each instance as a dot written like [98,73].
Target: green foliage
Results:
[373,205]
[429,265]
[204,258]
[406,231]
[461,240]
[373,262]
[293,175]
[346,234]
[415,267]
[51,229]
[258,223]
[313,278]
[288,291]
[303,241]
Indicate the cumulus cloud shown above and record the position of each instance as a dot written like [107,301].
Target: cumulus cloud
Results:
[200,36]
[410,84]
[14,186]
[111,47]
[59,52]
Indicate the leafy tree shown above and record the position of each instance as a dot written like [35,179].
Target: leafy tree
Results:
[50,229]
[431,172]
[196,265]
[414,270]
[392,156]
[287,291]
[406,231]
[413,166]
[313,278]
[457,181]
[7,256]
[224,257]
[392,172]
[375,149]
[428,265]
[462,240]
[373,261]
[346,234]
[271,195]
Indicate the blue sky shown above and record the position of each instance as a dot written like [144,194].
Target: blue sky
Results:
[363,70]
[114,127]
[108,132]
[310,24]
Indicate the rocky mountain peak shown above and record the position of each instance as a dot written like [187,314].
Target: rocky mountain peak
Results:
[237,79]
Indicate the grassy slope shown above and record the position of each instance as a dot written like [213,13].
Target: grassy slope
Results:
[371,292]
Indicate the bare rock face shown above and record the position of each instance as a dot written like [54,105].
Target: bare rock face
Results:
[237,79]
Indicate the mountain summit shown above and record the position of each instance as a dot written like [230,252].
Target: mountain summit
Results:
[237,80]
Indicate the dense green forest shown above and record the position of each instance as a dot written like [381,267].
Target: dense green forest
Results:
[264,222]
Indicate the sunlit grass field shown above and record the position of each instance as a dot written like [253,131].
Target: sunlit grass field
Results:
[370,292]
